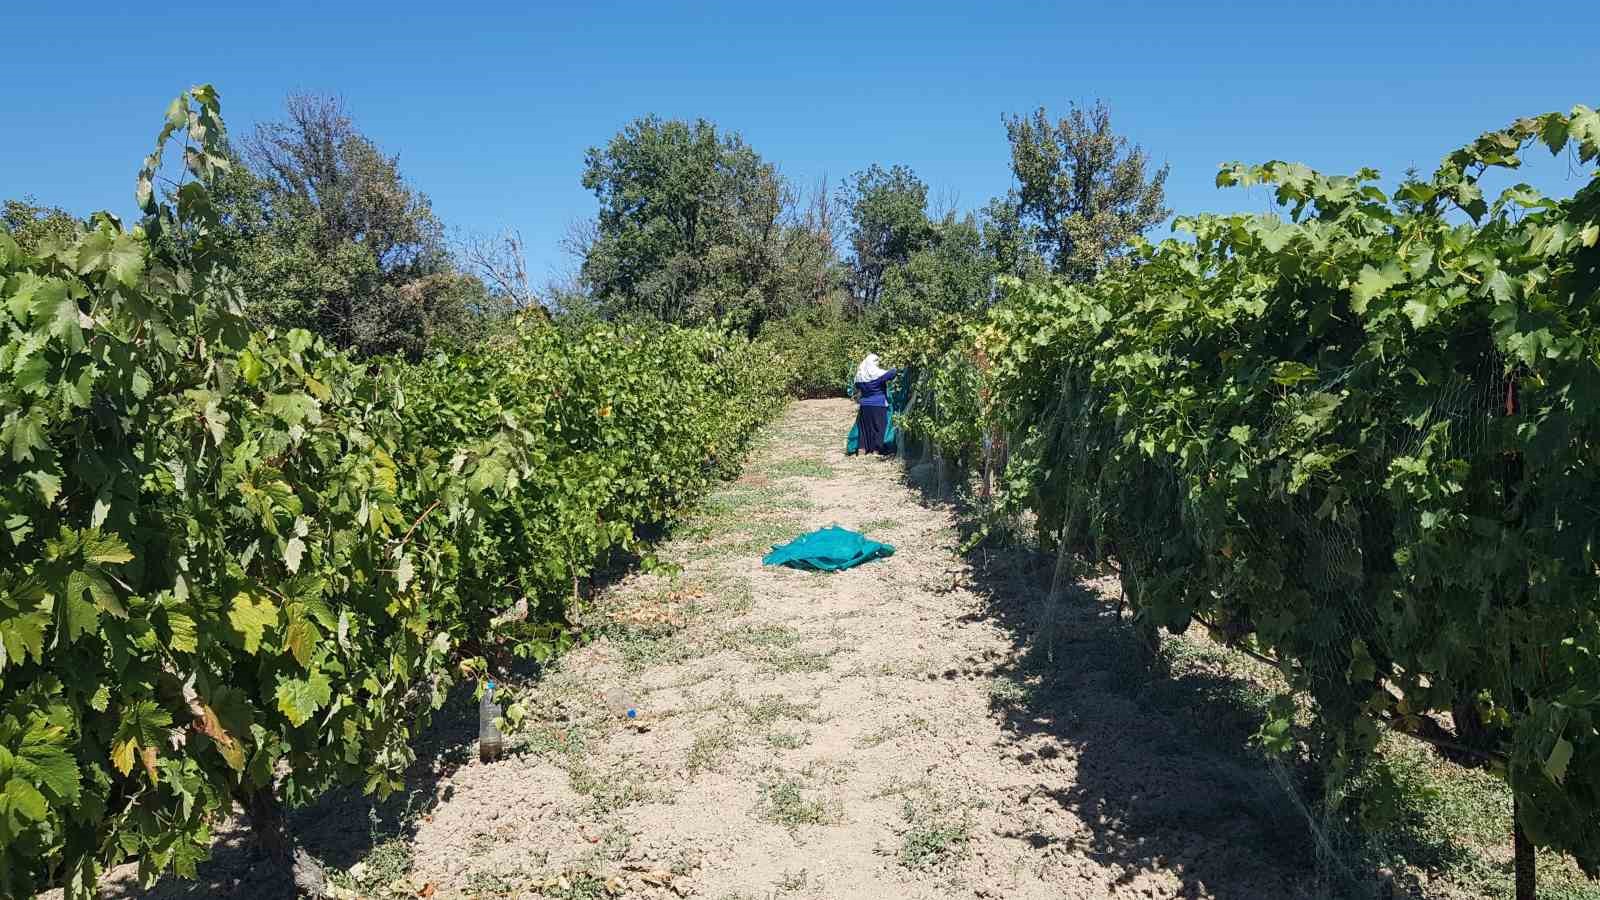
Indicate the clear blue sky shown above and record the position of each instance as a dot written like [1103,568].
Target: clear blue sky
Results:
[492,105]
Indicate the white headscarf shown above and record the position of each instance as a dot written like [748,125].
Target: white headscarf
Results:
[869,370]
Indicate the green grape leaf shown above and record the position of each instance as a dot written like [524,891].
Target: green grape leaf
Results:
[185,636]
[1373,283]
[22,634]
[51,767]
[1556,764]
[81,616]
[24,803]
[251,616]
[300,698]
[301,640]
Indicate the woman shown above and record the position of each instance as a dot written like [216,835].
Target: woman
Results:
[872,392]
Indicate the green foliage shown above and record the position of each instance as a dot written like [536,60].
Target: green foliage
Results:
[32,226]
[888,212]
[327,235]
[1082,188]
[235,562]
[821,349]
[1361,440]
[690,228]
[570,440]
[951,275]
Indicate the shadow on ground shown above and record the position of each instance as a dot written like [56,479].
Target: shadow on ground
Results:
[1163,774]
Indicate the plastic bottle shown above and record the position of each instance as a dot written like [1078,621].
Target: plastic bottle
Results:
[621,705]
[489,740]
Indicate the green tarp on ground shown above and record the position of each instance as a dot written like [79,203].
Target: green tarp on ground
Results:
[827,550]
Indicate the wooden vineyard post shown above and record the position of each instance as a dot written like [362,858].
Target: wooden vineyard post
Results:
[1524,857]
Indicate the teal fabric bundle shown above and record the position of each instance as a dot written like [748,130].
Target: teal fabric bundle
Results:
[827,550]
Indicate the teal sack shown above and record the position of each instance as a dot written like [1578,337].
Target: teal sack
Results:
[897,401]
[827,550]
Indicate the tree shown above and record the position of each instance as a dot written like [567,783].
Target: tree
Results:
[33,225]
[888,212]
[330,237]
[502,265]
[810,273]
[318,157]
[1010,243]
[1083,187]
[953,273]
[690,225]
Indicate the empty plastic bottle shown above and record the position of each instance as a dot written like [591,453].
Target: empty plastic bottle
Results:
[621,705]
[489,740]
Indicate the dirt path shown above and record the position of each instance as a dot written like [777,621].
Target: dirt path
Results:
[825,736]
[883,732]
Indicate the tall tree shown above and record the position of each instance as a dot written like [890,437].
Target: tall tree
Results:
[888,211]
[1083,187]
[331,237]
[690,226]
[1010,243]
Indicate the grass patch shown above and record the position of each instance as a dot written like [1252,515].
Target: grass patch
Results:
[879,525]
[640,647]
[732,596]
[932,837]
[614,788]
[1008,693]
[770,708]
[387,862]
[495,884]
[798,468]
[556,741]
[787,802]
[749,538]
[832,771]
[754,637]
[574,886]
[795,660]
[788,740]
[899,787]
[891,730]
[728,511]
[790,882]
[710,749]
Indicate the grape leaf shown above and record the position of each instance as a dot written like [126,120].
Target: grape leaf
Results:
[300,698]
[1373,283]
[251,616]
[1556,764]
[301,640]
[293,552]
[52,767]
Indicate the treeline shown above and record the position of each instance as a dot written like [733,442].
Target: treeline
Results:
[693,227]
[1358,438]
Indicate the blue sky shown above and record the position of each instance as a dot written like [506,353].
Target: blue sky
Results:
[491,106]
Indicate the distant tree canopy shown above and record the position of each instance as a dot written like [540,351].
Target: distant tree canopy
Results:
[1083,189]
[953,272]
[32,224]
[694,226]
[888,211]
[331,237]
